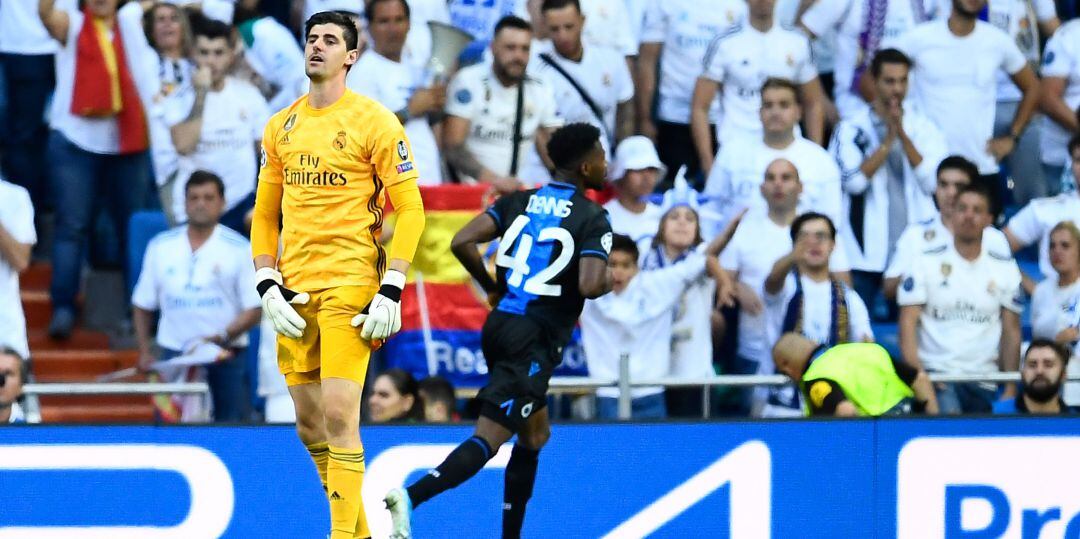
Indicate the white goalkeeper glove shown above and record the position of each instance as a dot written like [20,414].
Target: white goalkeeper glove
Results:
[382,317]
[278,301]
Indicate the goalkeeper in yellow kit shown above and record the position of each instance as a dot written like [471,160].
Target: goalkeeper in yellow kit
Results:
[328,162]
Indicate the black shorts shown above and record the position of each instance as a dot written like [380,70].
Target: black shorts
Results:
[521,357]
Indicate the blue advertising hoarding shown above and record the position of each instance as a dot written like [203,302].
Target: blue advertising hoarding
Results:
[887,478]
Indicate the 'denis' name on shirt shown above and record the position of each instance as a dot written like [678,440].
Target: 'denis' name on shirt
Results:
[313,177]
[548,206]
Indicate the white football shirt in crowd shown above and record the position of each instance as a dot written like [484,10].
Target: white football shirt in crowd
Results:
[198,293]
[691,327]
[1034,222]
[638,226]
[734,183]
[849,18]
[685,28]
[960,326]
[740,60]
[232,124]
[1053,309]
[602,73]
[954,82]
[21,30]
[931,235]
[1011,16]
[393,84]
[17,218]
[1061,60]
[607,24]
[476,95]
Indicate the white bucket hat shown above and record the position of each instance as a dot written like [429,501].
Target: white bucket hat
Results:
[635,153]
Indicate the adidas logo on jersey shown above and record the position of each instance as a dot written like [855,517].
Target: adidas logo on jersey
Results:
[539,204]
[336,497]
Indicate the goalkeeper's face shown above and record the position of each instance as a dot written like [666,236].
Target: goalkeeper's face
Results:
[326,55]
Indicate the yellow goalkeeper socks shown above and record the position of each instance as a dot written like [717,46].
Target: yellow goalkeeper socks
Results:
[345,475]
[320,454]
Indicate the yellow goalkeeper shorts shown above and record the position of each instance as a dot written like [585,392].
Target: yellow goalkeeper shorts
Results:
[330,347]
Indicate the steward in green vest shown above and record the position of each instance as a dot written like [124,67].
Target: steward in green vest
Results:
[853,379]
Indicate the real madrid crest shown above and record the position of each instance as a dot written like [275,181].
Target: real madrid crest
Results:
[929,235]
[946,270]
[339,140]
[290,121]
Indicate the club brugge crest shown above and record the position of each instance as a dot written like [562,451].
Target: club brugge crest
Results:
[402,150]
[290,121]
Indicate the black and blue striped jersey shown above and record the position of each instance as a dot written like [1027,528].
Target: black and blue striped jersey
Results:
[544,233]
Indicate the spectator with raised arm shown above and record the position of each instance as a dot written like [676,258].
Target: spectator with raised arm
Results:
[1055,305]
[803,296]
[198,278]
[168,30]
[763,237]
[98,146]
[216,125]
[960,309]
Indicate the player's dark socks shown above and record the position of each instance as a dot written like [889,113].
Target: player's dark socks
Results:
[520,477]
[461,464]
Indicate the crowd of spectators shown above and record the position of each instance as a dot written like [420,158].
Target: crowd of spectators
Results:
[809,166]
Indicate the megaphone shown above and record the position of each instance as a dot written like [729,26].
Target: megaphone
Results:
[447,42]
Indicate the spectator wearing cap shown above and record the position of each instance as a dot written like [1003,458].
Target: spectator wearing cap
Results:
[12,377]
[635,170]
[98,146]
[17,237]
[1043,373]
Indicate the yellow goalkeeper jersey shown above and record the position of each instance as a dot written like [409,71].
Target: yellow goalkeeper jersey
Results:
[334,165]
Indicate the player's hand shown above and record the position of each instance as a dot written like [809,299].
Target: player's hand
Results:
[382,317]
[278,301]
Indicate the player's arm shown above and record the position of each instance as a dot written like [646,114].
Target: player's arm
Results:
[594,277]
[265,225]
[56,21]
[392,158]
[481,229]
[919,381]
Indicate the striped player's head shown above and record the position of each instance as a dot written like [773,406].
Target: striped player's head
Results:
[576,151]
[330,47]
